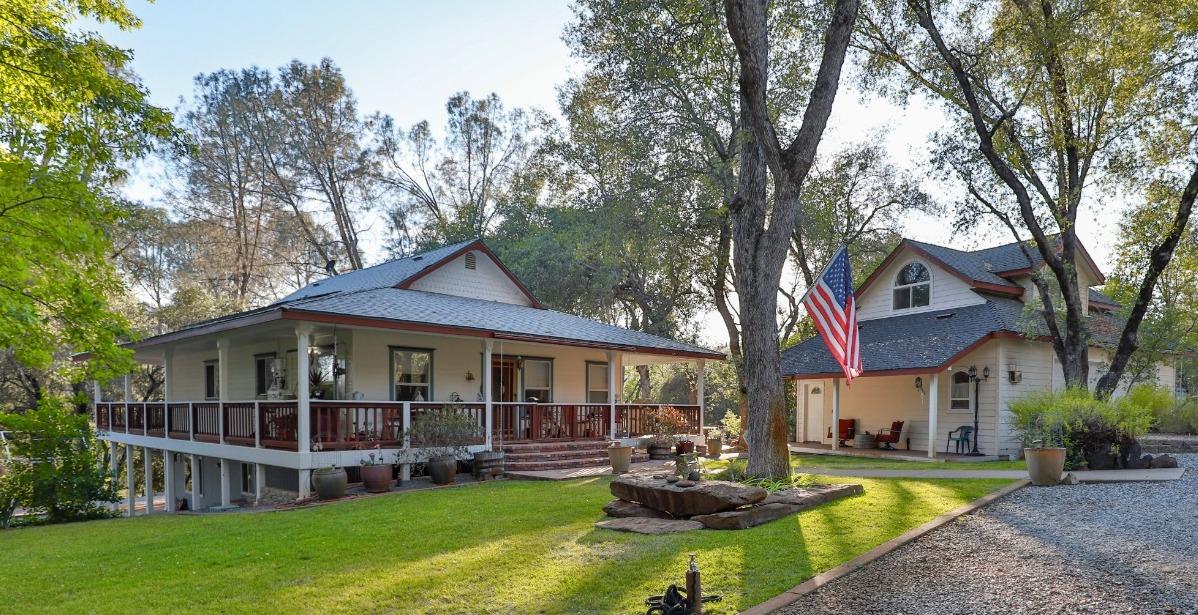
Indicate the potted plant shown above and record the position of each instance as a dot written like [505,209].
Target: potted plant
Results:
[1041,423]
[660,447]
[620,456]
[329,482]
[668,425]
[715,442]
[376,473]
[442,436]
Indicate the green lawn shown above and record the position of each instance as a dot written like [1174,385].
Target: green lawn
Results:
[499,547]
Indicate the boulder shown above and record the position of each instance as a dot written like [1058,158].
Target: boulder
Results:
[624,508]
[1164,461]
[704,498]
[647,525]
[778,505]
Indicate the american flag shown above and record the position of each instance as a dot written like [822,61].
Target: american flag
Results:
[832,307]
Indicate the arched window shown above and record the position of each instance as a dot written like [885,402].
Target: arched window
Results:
[912,286]
[959,393]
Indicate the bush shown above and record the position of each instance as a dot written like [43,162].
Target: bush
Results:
[56,469]
[669,422]
[1086,427]
[1181,416]
[732,426]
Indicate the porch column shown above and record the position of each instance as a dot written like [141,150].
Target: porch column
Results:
[303,423]
[168,479]
[933,412]
[168,359]
[259,481]
[700,386]
[147,459]
[128,382]
[226,483]
[836,414]
[488,345]
[195,483]
[116,469]
[801,411]
[611,391]
[130,484]
[305,484]
[222,385]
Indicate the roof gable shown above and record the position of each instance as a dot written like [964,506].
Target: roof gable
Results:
[960,265]
[494,281]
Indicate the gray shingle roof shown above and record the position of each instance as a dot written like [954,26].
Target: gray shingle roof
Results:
[974,265]
[381,275]
[413,306]
[928,340]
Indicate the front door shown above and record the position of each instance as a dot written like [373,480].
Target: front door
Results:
[503,380]
[815,412]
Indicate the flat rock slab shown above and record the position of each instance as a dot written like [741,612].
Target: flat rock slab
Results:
[704,498]
[647,525]
[624,508]
[778,505]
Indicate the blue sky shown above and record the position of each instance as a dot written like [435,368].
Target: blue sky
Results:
[403,58]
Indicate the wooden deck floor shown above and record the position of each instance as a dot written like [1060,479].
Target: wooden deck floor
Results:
[819,448]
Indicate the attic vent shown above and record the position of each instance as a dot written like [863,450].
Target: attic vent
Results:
[945,316]
[471,261]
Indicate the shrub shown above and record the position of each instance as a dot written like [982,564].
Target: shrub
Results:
[732,426]
[56,469]
[1083,425]
[669,422]
[1179,418]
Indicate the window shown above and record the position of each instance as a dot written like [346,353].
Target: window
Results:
[912,286]
[597,392]
[265,371]
[471,260]
[411,374]
[538,380]
[959,394]
[211,380]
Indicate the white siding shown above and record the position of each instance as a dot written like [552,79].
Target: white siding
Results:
[486,281]
[948,291]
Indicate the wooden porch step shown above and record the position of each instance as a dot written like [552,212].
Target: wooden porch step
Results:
[560,445]
[564,464]
[553,455]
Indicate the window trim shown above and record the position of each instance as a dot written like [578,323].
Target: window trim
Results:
[215,365]
[273,356]
[909,287]
[969,396]
[432,365]
[522,361]
[605,382]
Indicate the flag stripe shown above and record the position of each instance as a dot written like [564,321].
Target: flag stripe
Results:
[833,310]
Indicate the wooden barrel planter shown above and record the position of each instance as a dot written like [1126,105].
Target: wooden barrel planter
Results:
[488,464]
[864,440]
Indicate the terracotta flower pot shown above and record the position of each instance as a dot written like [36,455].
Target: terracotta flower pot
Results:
[715,446]
[329,483]
[442,469]
[1045,465]
[684,447]
[377,478]
[620,457]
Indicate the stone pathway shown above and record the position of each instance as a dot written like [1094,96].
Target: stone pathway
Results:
[1091,548]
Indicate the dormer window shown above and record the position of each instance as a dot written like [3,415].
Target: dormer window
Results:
[912,286]
[471,261]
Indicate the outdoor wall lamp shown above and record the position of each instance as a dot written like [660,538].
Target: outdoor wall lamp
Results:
[469,376]
[919,384]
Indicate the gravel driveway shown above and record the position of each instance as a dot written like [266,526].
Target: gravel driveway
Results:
[1103,548]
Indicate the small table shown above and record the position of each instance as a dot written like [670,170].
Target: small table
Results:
[864,440]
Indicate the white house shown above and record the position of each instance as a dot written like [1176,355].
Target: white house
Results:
[928,315]
[260,398]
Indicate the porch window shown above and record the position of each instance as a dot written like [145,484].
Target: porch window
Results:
[264,373]
[538,380]
[411,374]
[597,392]
[912,286]
[211,380]
[959,395]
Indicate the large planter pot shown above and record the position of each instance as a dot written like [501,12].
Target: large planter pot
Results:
[660,452]
[442,469]
[377,478]
[684,447]
[1045,465]
[715,446]
[620,457]
[329,483]
[488,464]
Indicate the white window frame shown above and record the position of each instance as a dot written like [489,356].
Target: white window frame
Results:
[215,365]
[908,287]
[602,385]
[524,361]
[968,399]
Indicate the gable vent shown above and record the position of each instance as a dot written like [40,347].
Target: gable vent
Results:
[471,261]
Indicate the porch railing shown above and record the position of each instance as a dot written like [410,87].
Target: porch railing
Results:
[347,425]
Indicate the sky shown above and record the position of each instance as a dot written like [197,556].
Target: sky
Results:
[406,58]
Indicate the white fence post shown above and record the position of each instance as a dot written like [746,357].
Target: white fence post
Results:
[257,425]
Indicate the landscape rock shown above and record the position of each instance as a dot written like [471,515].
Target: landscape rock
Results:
[624,508]
[704,498]
[1070,479]
[1164,461]
[776,506]
[685,483]
[647,525]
